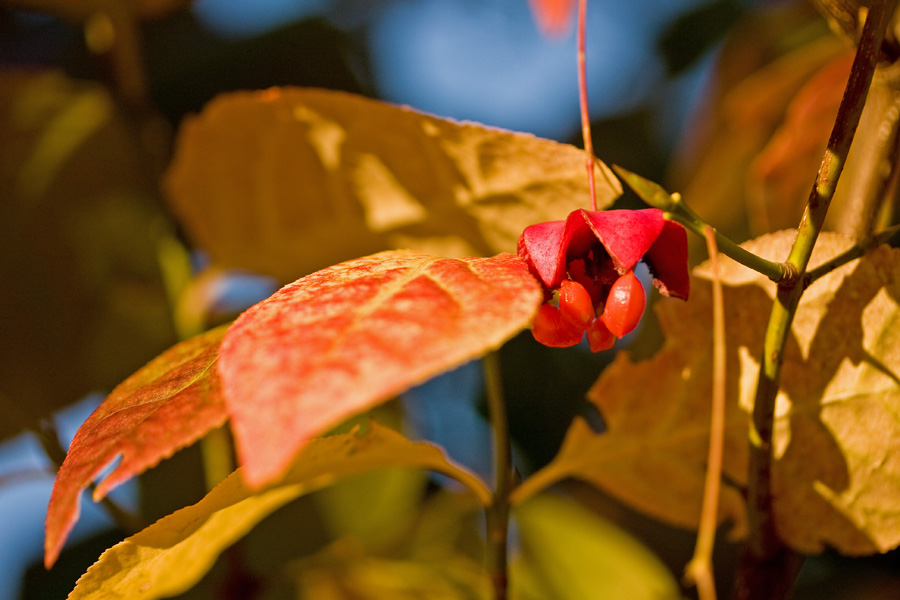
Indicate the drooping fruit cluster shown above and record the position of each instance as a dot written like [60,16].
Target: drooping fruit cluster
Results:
[586,264]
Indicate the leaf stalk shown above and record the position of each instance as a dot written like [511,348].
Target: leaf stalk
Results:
[498,512]
[676,209]
[583,103]
[699,570]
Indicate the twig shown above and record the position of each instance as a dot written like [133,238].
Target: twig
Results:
[859,249]
[677,210]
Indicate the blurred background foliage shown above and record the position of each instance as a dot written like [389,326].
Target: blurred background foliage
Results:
[98,277]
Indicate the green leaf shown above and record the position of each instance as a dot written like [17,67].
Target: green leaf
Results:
[569,553]
[837,425]
[171,555]
[347,338]
[287,181]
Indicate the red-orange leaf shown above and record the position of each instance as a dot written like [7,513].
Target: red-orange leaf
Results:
[167,405]
[348,337]
[554,16]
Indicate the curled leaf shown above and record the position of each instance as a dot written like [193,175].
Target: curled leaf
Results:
[351,336]
[167,405]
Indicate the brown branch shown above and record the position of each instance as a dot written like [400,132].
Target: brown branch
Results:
[769,566]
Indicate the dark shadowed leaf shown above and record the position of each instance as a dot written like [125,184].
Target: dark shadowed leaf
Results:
[84,10]
[289,180]
[165,406]
[837,431]
[83,302]
[346,338]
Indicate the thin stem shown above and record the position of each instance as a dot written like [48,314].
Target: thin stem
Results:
[859,249]
[699,570]
[498,511]
[777,272]
[769,562]
[583,103]
[677,210]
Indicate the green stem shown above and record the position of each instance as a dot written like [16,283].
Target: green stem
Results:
[498,511]
[677,210]
[859,249]
[769,564]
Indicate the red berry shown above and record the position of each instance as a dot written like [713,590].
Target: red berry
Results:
[551,329]
[599,337]
[624,305]
[575,304]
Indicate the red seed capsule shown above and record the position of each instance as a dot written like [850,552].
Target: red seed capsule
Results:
[575,304]
[624,305]
[551,329]
[599,337]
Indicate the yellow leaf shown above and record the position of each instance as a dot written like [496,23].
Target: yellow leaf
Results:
[289,180]
[345,571]
[836,478]
[171,555]
[430,555]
